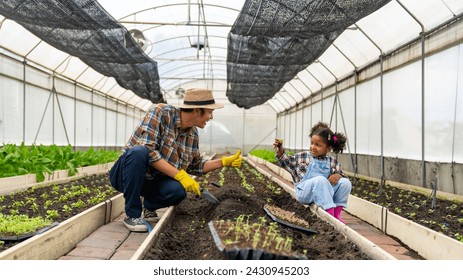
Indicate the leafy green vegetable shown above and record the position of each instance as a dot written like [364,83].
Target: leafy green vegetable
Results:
[40,159]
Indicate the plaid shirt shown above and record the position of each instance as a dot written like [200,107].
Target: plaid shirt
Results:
[297,164]
[160,132]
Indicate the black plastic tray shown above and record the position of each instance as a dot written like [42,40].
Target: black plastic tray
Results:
[286,223]
[237,253]
[27,235]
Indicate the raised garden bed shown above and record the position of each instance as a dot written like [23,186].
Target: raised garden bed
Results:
[245,192]
[55,202]
[445,217]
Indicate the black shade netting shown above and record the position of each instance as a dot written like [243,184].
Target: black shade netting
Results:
[271,41]
[84,29]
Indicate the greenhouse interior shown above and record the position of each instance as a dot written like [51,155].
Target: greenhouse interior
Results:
[384,73]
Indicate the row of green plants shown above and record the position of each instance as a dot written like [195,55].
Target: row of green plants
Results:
[268,155]
[32,209]
[40,159]
[264,154]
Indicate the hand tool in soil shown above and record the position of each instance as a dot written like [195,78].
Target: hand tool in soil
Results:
[216,184]
[207,195]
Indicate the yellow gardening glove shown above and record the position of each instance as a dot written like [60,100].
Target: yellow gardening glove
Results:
[234,160]
[187,182]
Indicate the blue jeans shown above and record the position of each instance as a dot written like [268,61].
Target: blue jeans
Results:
[319,190]
[128,176]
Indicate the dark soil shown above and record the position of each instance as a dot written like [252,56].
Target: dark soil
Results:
[34,202]
[188,237]
[445,217]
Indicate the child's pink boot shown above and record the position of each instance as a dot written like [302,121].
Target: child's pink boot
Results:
[330,211]
[337,213]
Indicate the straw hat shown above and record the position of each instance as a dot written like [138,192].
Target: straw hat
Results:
[199,98]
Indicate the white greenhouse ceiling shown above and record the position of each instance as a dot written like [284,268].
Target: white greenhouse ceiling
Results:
[187,41]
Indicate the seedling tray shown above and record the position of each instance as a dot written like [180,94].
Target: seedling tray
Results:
[237,253]
[27,235]
[288,224]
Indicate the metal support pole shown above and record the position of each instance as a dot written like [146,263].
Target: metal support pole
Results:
[24,101]
[43,116]
[423,115]
[244,131]
[382,124]
[335,89]
[61,114]
[381,56]
[75,116]
[355,125]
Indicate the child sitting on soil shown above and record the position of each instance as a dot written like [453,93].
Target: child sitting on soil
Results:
[318,177]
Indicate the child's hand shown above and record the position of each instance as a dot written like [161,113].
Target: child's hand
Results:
[278,146]
[278,143]
[334,178]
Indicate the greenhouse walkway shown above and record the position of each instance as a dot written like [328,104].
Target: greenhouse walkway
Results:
[114,241]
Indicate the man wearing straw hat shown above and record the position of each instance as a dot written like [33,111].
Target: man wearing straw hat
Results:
[159,155]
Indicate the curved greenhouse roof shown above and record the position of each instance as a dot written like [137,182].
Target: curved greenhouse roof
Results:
[236,47]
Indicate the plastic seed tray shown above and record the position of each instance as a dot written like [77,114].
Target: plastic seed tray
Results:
[28,235]
[288,224]
[237,253]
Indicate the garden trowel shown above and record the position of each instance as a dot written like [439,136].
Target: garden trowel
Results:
[207,195]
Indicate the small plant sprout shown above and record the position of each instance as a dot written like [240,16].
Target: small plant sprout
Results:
[221,223]
[52,214]
[66,209]
[459,237]
[266,242]
[229,242]
[279,240]
[288,244]
[255,239]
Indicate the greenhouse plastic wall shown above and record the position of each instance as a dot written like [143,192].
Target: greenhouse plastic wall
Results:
[36,107]
[74,115]
[235,128]
[396,135]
